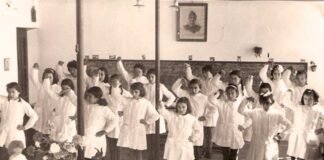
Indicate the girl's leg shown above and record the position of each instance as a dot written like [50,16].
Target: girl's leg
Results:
[150,144]
[208,141]
[125,153]
[197,152]
[113,149]
[232,154]
[4,153]
[139,154]
[225,152]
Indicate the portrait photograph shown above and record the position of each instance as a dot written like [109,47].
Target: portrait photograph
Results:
[192,22]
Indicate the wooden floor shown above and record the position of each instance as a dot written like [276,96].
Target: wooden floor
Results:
[216,155]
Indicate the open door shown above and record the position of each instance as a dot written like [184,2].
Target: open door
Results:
[22,56]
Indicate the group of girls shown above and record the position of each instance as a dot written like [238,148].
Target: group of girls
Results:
[207,110]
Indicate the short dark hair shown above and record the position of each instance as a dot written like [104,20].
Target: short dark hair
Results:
[310,92]
[207,68]
[265,85]
[268,99]
[14,85]
[106,80]
[53,72]
[151,71]
[114,76]
[140,66]
[14,144]
[187,102]
[72,64]
[68,82]
[195,81]
[139,86]
[97,92]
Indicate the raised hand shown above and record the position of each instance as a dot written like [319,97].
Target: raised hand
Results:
[202,118]
[222,72]
[20,127]
[100,133]
[120,113]
[36,66]
[187,65]
[241,128]
[142,121]
[250,99]
[60,63]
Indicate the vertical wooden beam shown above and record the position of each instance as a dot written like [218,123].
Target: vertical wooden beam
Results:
[157,81]
[80,83]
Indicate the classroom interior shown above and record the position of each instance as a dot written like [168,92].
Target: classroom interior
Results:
[289,32]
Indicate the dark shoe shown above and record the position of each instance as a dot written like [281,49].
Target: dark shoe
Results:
[207,155]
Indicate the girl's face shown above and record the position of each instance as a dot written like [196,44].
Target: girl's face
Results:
[231,94]
[138,72]
[151,78]
[65,87]
[73,72]
[50,77]
[301,80]
[207,74]
[13,93]
[91,99]
[17,150]
[102,75]
[194,89]
[182,108]
[115,82]
[136,93]
[308,100]
[276,75]
[264,90]
[234,79]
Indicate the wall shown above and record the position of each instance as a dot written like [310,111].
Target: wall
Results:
[288,30]
[11,18]
[8,49]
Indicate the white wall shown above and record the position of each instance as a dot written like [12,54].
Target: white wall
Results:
[8,49]
[11,18]
[288,30]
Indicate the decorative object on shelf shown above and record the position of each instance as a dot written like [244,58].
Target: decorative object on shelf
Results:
[313,66]
[190,57]
[143,57]
[212,58]
[257,51]
[239,58]
[87,57]
[302,60]
[6,64]
[192,22]
[175,4]
[33,14]
[139,3]
[95,56]
[112,57]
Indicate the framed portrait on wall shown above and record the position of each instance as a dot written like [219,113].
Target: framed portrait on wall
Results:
[192,22]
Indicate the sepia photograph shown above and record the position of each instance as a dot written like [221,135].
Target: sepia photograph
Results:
[161,80]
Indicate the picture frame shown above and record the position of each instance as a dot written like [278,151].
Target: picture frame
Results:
[192,22]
